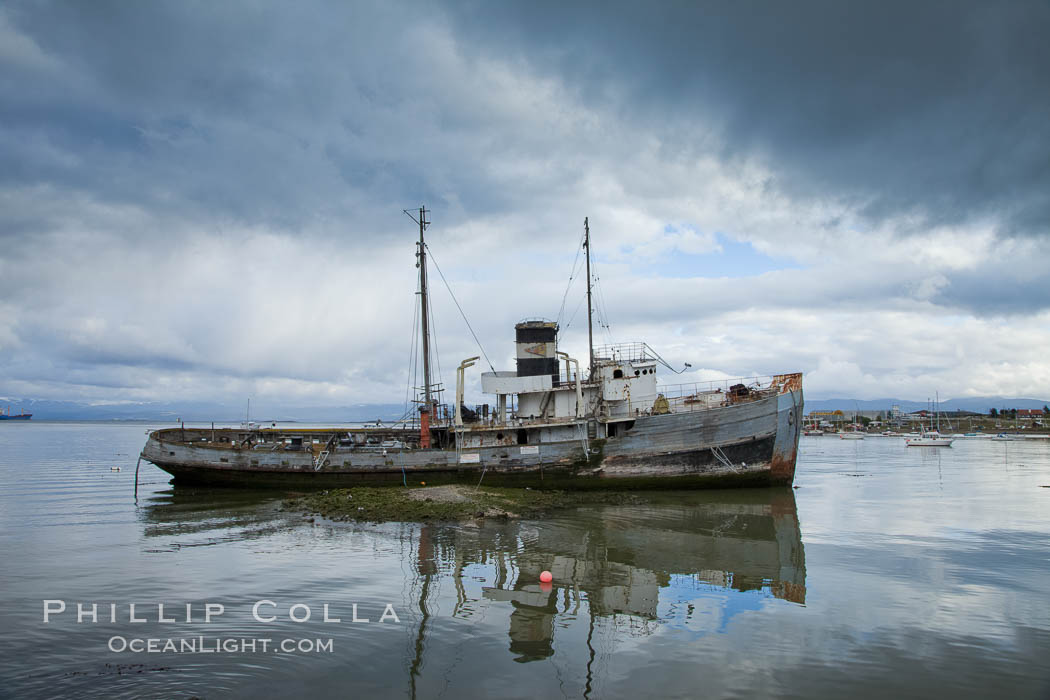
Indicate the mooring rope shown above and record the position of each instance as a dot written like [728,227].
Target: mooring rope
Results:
[721,457]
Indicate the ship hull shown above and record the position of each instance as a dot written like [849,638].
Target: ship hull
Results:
[747,444]
[23,416]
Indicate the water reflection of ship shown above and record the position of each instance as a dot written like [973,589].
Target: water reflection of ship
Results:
[192,517]
[614,561]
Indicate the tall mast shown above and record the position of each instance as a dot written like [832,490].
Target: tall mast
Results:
[590,327]
[423,301]
[421,263]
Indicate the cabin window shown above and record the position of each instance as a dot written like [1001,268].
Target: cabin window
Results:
[523,437]
[499,436]
[618,374]
[636,373]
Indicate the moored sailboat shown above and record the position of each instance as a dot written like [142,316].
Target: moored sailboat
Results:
[930,438]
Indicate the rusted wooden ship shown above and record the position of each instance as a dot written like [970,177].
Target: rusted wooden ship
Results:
[551,424]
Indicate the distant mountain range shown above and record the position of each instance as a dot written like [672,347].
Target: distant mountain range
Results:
[978,404]
[200,411]
[264,412]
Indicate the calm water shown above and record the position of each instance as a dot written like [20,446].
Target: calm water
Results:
[890,571]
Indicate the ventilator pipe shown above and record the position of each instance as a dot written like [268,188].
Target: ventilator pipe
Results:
[459,388]
[579,390]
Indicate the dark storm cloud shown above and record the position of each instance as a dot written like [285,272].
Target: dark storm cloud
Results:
[1016,286]
[936,110]
[260,114]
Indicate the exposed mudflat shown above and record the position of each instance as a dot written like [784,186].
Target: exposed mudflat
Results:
[442,494]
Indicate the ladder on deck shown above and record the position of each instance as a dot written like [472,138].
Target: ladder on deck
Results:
[319,462]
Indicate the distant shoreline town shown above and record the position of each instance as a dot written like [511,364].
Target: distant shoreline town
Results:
[1034,419]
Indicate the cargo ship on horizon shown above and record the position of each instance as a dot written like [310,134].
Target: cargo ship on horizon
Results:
[21,415]
[551,424]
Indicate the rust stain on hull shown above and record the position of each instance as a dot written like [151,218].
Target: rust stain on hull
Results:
[782,469]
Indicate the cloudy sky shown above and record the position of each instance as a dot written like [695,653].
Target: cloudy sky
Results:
[203,201]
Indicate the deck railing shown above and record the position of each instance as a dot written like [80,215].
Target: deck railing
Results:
[702,396]
[625,352]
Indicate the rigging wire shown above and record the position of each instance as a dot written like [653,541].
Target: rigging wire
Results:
[602,306]
[572,276]
[573,317]
[449,288]
[433,343]
[412,358]
[665,363]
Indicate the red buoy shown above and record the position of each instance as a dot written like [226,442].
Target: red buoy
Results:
[546,577]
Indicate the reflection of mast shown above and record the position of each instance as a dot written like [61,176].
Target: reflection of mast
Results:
[590,649]
[426,567]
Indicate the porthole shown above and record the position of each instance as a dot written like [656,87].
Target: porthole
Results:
[636,373]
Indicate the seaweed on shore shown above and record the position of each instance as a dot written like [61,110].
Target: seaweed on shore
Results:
[437,503]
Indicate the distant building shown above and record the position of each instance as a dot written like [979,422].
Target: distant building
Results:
[826,417]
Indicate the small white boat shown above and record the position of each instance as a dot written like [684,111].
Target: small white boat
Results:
[851,436]
[928,442]
[1003,437]
[931,438]
[812,432]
